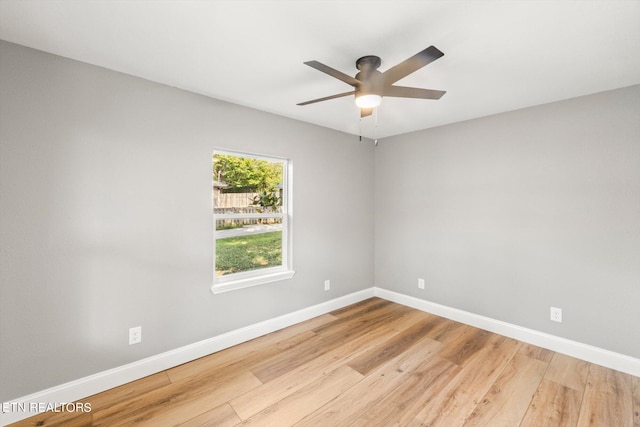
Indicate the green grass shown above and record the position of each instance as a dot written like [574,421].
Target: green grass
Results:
[236,254]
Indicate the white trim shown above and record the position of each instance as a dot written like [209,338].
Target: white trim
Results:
[253,280]
[102,381]
[599,356]
[87,386]
[249,215]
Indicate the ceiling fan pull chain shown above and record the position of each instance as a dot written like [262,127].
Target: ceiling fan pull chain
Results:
[375,132]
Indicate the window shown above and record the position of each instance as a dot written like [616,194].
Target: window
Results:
[252,220]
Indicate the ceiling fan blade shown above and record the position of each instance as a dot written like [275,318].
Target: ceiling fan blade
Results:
[412,92]
[412,64]
[334,73]
[364,112]
[339,95]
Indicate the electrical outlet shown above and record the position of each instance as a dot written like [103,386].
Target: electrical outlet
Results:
[556,314]
[135,335]
[420,283]
[327,285]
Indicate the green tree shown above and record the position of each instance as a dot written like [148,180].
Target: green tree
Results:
[247,174]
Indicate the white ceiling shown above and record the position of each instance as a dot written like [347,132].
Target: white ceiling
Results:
[499,55]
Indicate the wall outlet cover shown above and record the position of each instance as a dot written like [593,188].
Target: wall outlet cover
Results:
[556,314]
[135,335]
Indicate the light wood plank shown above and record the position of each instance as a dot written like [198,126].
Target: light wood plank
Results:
[360,307]
[100,401]
[536,352]
[256,349]
[296,406]
[393,347]
[409,319]
[365,308]
[635,381]
[236,358]
[400,406]
[280,363]
[57,419]
[468,342]
[357,323]
[220,416]
[607,399]
[508,399]
[448,331]
[452,405]
[568,371]
[128,391]
[176,403]
[330,336]
[364,396]
[553,405]
[271,392]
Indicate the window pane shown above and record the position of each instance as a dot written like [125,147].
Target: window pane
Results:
[250,247]
[246,185]
[248,192]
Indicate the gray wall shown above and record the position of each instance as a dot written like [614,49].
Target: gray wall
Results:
[507,215]
[105,193]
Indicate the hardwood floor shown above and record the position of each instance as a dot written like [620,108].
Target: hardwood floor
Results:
[374,363]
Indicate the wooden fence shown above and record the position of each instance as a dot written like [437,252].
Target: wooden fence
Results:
[233,200]
[237,203]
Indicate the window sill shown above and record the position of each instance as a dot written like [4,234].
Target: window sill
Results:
[246,282]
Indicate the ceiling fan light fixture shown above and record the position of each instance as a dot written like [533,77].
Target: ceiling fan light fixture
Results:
[370,100]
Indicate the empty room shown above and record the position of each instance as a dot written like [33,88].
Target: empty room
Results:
[320,213]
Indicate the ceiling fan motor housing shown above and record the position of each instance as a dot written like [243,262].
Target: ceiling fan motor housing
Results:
[369,76]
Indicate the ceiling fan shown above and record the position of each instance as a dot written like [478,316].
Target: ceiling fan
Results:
[371,85]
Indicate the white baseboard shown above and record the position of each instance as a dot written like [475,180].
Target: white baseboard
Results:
[599,356]
[87,386]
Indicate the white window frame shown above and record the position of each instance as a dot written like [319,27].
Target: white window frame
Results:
[261,276]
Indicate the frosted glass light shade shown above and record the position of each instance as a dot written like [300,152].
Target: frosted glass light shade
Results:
[368,101]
